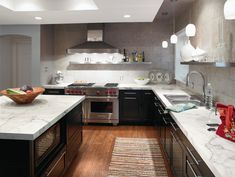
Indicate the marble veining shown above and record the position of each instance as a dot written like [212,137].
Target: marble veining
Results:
[27,122]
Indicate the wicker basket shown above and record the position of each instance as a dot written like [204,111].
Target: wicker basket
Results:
[24,98]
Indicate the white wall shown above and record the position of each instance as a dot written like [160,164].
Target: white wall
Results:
[5,62]
[32,31]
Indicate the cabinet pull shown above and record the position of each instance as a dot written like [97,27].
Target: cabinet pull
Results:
[48,174]
[130,93]
[173,126]
[156,105]
[191,154]
[191,168]
[147,93]
[165,121]
[161,107]
[129,98]
[173,136]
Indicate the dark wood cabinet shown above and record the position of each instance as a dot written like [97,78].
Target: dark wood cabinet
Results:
[177,155]
[182,157]
[147,106]
[54,91]
[74,133]
[19,157]
[135,106]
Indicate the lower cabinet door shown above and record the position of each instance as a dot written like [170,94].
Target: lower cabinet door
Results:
[168,143]
[177,157]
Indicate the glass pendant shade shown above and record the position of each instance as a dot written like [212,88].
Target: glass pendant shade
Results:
[164,44]
[190,30]
[174,39]
[229,10]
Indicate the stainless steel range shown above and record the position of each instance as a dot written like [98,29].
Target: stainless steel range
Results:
[101,103]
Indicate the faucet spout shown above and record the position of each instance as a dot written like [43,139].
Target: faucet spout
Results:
[203,79]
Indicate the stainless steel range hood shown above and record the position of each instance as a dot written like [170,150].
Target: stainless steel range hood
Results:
[94,44]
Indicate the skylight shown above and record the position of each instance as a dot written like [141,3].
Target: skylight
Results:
[49,5]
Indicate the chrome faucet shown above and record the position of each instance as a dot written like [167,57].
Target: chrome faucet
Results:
[203,78]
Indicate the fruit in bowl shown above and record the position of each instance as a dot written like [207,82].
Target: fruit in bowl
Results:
[142,81]
[24,95]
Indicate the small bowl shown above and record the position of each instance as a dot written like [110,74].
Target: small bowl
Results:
[24,98]
[142,82]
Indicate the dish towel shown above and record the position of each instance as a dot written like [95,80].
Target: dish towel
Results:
[180,107]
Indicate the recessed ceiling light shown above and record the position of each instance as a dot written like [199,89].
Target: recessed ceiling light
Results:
[38,18]
[127,16]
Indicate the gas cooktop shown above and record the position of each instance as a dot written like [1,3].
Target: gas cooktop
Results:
[81,85]
[93,85]
[111,85]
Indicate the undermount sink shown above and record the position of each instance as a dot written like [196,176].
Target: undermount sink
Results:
[180,99]
[196,102]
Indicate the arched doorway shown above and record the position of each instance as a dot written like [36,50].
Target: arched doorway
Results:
[15,61]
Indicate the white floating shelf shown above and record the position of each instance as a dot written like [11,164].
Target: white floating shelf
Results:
[215,64]
[123,63]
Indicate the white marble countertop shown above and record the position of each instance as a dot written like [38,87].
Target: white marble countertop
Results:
[218,153]
[120,86]
[27,122]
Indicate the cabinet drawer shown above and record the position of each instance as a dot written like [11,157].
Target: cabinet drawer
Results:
[57,167]
[54,92]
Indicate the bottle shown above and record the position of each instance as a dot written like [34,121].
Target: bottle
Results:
[125,57]
[143,56]
[209,96]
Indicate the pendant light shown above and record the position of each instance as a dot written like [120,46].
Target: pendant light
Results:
[174,38]
[190,28]
[164,44]
[229,10]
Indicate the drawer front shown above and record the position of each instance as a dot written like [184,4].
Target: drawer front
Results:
[54,92]
[56,169]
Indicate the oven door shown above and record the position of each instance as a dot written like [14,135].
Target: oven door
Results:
[98,109]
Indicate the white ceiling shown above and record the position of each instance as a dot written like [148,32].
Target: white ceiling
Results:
[62,11]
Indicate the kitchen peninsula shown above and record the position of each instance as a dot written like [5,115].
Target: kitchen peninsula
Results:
[43,133]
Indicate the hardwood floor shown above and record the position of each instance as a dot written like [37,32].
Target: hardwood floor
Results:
[96,150]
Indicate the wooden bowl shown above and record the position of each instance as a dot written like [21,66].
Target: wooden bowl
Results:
[24,98]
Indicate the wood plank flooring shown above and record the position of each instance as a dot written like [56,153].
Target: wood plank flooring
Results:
[95,152]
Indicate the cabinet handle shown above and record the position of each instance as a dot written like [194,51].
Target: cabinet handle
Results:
[48,174]
[161,107]
[156,105]
[166,122]
[191,154]
[129,98]
[191,168]
[173,126]
[147,93]
[174,137]
[130,93]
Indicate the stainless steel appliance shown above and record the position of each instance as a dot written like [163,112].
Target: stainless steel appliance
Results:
[101,104]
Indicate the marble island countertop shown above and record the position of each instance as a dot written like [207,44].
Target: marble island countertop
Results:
[27,122]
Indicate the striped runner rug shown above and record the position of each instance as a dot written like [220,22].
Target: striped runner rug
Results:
[135,157]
